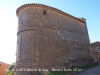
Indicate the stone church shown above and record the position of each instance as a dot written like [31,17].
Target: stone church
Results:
[50,38]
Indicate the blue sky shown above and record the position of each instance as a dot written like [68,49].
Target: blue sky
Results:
[88,9]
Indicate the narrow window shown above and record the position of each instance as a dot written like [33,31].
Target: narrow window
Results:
[44,12]
[97,57]
[0,64]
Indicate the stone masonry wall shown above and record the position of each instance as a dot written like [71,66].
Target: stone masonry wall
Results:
[48,39]
[95,51]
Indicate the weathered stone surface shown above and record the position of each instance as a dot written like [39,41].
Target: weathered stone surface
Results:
[48,37]
[95,51]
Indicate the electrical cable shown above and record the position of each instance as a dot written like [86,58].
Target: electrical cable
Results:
[95,38]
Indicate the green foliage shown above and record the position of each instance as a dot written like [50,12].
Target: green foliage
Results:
[11,69]
[10,73]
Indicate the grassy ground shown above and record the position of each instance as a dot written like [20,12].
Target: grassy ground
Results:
[74,69]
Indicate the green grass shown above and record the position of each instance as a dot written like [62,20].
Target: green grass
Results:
[10,73]
[74,69]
